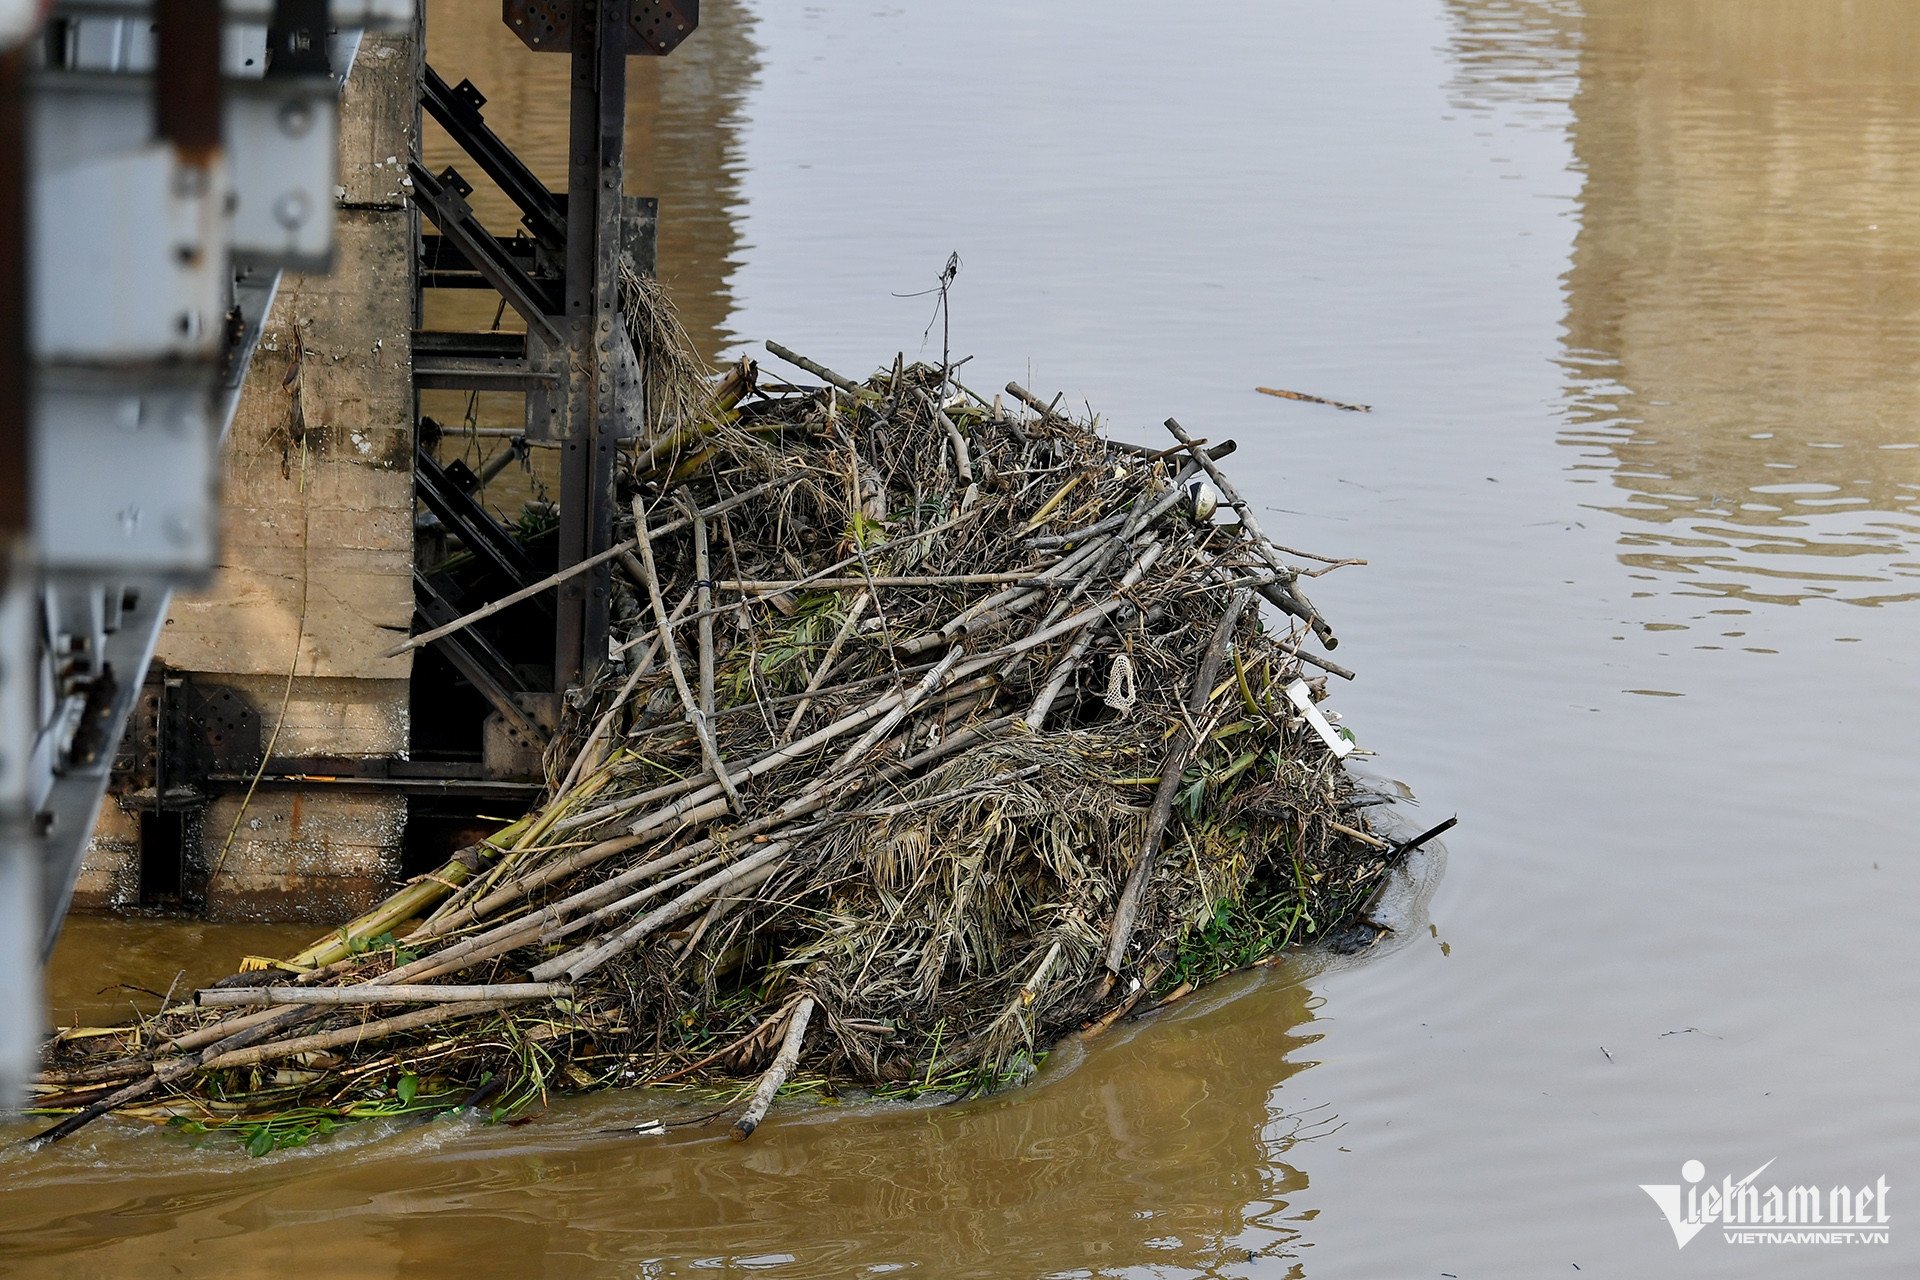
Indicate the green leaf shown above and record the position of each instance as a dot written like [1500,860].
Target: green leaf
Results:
[1191,796]
[408,1086]
[260,1142]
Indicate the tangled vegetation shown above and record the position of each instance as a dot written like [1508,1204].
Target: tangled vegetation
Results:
[937,727]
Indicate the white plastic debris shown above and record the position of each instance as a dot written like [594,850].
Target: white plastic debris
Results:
[1302,698]
[1202,501]
[1123,688]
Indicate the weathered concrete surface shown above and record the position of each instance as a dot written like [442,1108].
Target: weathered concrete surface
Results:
[316,561]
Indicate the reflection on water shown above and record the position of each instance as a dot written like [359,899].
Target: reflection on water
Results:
[1743,307]
[106,970]
[1145,1149]
[1519,57]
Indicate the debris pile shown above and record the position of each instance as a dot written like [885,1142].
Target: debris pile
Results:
[936,727]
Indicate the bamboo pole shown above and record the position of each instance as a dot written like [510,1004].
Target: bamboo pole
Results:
[708,747]
[783,1064]
[382,993]
[1171,769]
[402,906]
[579,963]
[1284,595]
[361,1033]
[552,580]
[821,372]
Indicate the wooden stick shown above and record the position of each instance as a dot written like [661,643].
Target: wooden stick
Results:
[783,1064]
[372,993]
[523,931]
[1148,452]
[519,888]
[703,594]
[962,456]
[577,964]
[1064,669]
[819,675]
[201,1037]
[555,579]
[651,636]
[625,906]
[765,1025]
[1003,604]
[1029,577]
[169,1072]
[821,372]
[378,1029]
[586,760]
[1099,1026]
[1301,395]
[708,747]
[1171,769]
[405,905]
[1408,846]
[820,737]
[1031,400]
[1286,596]
[1069,624]
[928,684]
[1355,833]
[1130,522]
[1325,664]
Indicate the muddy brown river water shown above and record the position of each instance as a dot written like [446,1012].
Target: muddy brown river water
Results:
[1634,289]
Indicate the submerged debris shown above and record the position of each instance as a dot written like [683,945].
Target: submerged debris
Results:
[933,731]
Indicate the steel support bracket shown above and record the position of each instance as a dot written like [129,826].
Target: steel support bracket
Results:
[652,27]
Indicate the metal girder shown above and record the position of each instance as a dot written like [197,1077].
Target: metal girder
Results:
[444,267]
[578,367]
[363,774]
[15,369]
[477,660]
[469,521]
[155,174]
[443,198]
[370,15]
[475,362]
[457,108]
[602,387]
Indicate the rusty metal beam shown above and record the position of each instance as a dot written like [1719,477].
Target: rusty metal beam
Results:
[457,108]
[443,198]
[592,420]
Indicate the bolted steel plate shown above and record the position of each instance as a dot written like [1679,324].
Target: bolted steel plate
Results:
[656,27]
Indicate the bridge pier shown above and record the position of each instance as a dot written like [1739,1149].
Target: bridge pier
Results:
[271,763]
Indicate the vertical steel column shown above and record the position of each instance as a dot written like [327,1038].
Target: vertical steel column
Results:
[595,182]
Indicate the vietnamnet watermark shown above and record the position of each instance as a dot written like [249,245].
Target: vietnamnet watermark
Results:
[1749,1214]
